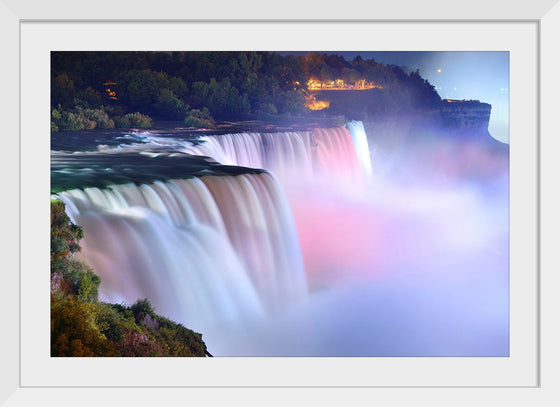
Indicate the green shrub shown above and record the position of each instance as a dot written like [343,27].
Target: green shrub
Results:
[133,120]
[65,120]
[200,118]
[142,307]
[82,280]
[114,323]
[74,331]
[55,114]
[56,117]
[65,237]
[100,117]
[77,121]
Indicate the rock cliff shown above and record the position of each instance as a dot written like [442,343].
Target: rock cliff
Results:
[378,104]
[463,115]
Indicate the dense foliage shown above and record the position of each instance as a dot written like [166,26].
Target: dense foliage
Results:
[80,119]
[81,325]
[230,85]
[133,120]
[200,118]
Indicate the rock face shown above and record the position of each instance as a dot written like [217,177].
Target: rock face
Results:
[463,115]
[377,104]
[150,322]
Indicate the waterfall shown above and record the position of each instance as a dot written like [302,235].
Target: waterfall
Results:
[359,138]
[208,250]
[330,153]
[204,250]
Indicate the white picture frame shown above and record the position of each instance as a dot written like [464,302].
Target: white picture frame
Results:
[546,16]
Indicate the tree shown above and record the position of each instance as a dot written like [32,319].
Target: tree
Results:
[141,89]
[74,331]
[62,90]
[200,119]
[169,106]
[65,237]
[142,308]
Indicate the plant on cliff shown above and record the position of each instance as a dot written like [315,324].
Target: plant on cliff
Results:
[141,308]
[81,325]
[74,331]
[65,237]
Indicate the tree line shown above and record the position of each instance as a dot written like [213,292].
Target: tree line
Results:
[201,87]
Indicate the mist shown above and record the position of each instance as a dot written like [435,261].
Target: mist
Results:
[410,262]
[330,242]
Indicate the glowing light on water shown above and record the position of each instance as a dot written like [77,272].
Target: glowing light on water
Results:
[331,153]
[359,138]
[413,263]
[193,246]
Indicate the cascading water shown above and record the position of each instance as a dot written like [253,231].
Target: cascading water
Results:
[359,138]
[284,154]
[321,263]
[328,152]
[203,250]
[211,250]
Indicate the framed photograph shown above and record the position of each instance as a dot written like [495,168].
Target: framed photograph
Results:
[486,333]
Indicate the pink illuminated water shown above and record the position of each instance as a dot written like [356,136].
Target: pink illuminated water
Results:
[322,256]
[209,250]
